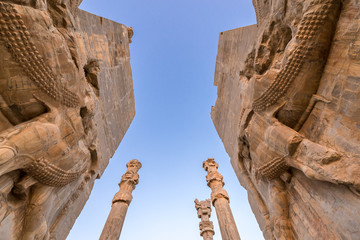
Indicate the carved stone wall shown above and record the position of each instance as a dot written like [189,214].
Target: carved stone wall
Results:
[66,101]
[288,114]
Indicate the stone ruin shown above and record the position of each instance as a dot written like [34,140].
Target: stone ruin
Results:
[121,201]
[288,113]
[221,201]
[203,209]
[66,101]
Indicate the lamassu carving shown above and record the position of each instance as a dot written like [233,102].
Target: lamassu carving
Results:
[47,104]
[292,135]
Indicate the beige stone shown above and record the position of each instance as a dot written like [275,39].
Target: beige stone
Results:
[206,226]
[288,112]
[220,200]
[121,202]
[58,131]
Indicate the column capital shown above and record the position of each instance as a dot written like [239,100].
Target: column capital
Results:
[131,177]
[210,164]
[203,207]
[214,176]
[115,220]
[128,182]
[204,212]
[134,163]
[224,215]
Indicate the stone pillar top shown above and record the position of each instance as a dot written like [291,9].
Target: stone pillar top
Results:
[203,207]
[220,200]
[121,202]
[131,177]
[134,163]
[128,182]
[214,180]
[204,212]
[214,177]
[210,164]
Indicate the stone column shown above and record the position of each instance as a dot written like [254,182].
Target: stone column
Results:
[204,213]
[220,200]
[121,202]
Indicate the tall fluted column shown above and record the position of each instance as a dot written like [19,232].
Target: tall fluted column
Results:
[220,200]
[204,213]
[121,202]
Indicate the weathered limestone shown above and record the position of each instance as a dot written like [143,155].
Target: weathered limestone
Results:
[121,202]
[66,101]
[206,226]
[287,112]
[220,200]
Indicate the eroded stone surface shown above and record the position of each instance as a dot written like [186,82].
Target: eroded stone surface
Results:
[206,226]
[66,101]
[288,112]
[220,200]
[121,202]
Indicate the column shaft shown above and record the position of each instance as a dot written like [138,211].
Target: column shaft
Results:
[226,220]
[207,236]
[114,222]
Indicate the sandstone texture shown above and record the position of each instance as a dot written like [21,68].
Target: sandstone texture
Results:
[220,200]
[66,101]
[121,202]
[288,112]
[206,226]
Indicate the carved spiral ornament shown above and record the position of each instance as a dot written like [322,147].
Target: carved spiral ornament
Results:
[49,174]
[273,168]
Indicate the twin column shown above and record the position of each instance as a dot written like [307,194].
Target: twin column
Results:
[219,199]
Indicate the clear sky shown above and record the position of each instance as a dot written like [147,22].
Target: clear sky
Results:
[173,62]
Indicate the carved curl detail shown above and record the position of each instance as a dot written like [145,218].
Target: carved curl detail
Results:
[49,174]
[214,176]
[273,168]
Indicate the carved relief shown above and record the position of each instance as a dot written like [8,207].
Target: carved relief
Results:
[206,226]
[220,200]
[286,135]
[128,182]
[48,100]
[314,35]
[17,39]
[121,202]
[57,131]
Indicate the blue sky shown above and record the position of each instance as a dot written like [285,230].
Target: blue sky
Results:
[173,62]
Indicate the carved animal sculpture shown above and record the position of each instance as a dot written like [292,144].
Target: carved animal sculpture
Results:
[44,97]
[284,106]
[284,94]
